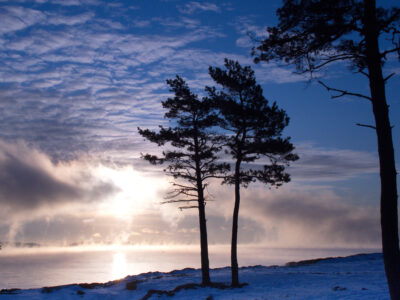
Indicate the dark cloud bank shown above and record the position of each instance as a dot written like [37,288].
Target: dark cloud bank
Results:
[26,181]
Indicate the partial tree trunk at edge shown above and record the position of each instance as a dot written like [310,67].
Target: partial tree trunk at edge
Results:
[389,218]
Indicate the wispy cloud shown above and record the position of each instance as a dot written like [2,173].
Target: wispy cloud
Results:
[18,18]
[89,78]
[249,31]
[324,164]
[193,6]
[141,23]
[79,76]
[73,2]
[70,20]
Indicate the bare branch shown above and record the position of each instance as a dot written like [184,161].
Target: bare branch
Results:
[363,73]
[384,53]
[343,92]
[180,201]
[332,59]
[186,192]
[214,176]
[366,125]
[183,192]
[188,207]
[388,77]
[186,187]
[324,61]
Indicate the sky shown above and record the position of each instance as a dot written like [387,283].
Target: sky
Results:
[77,77]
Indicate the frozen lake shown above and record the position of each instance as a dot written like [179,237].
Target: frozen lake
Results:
[38,267]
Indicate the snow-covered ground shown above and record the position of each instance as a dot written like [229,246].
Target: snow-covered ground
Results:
[353,277]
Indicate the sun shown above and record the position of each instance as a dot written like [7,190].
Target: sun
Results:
[136,192]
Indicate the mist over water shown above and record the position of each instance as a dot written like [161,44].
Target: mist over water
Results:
[38,267]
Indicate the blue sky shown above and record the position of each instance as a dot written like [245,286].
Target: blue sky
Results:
[78,77]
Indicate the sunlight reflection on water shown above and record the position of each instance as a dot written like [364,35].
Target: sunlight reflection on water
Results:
[119,266]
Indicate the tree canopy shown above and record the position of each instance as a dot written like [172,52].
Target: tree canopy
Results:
[192,156]
[312,34]
[254,132]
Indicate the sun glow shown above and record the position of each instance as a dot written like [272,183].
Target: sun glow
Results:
[137,192]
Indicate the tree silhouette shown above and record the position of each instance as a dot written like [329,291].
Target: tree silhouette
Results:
[255,129]
[192,159]
[312,34]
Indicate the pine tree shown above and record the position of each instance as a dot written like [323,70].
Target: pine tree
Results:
[312,34]
[255,132]
[192,161]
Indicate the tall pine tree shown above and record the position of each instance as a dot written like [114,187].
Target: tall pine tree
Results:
[312,34]
[192,160]
[254,132]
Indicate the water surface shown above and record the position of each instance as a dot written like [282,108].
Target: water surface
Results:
[38,267]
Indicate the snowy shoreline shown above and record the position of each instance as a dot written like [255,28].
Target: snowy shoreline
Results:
[354,277]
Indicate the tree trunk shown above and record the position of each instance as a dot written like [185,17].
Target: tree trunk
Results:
[205,266]
[389,218]
[235,220]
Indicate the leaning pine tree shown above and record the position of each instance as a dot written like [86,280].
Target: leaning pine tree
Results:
[191,158]
[313,34]
[255,129]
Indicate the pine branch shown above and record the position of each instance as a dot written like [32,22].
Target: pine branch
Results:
[180,201]
[343,92]
[366,125]
[213,176]
[388,77]
[188,207]
[178,192]
[189,188]
[384,53]
[363,73]
[327,61]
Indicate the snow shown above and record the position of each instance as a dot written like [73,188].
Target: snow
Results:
[354,277]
